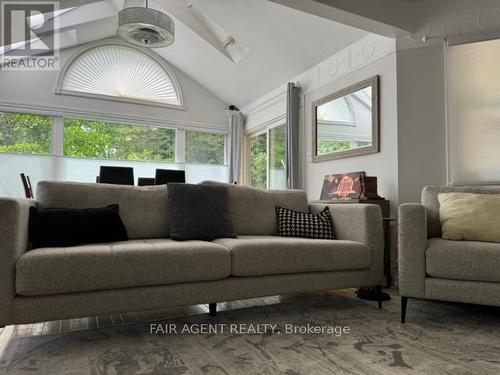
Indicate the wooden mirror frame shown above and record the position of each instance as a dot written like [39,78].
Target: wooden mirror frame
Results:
[372,82]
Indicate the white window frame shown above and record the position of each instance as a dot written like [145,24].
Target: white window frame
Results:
[262,129]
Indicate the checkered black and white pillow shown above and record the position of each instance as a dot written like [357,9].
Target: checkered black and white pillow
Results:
[291,223]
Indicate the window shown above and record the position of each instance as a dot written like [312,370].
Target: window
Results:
[205,148]
[25,133]
[96,139]
[277,157]
[258,161]
[71,149]
[473,80]
[120,72]
[268,159]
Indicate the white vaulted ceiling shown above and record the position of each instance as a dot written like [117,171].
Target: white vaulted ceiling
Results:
[274,42]
[283,42]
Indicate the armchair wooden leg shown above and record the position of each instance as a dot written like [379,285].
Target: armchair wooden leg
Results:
[379,296]
[212,308]
[404,305]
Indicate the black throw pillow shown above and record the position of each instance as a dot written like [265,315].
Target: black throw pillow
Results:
[61,227]
[291,223]
[199,212]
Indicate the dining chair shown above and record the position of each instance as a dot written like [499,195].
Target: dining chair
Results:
[145,181]
[116,175]
[28,190]
[164,176]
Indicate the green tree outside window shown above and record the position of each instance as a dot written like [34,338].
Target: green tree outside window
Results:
[268,163]
[277,157]
[96,139]
[25,133]
[258,161]
[205,148]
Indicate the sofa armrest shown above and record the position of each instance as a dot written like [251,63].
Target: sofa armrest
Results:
[412,244]
[14,217]
[360,223]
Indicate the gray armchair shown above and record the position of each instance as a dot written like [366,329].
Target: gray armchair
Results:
[434,268]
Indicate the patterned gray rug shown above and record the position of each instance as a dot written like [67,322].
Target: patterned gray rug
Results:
[440,338]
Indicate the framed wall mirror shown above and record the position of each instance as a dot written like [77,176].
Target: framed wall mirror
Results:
[346,123]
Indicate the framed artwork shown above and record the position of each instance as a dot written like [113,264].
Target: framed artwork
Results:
[343,186]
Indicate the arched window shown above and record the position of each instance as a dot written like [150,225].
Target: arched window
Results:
[120,72]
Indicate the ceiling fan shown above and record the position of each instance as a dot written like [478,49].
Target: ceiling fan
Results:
[152,28]
[145,27]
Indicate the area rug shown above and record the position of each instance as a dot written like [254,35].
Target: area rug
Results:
[292,338]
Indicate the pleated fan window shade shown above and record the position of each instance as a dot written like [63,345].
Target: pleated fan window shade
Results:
[122,72]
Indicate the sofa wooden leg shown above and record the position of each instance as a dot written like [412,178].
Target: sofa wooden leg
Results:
[212,308]
[379,296]
[404,305]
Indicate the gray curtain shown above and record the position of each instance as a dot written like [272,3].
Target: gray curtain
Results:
[236,123]
[292,126]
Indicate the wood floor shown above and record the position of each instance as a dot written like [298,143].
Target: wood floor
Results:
[106,321]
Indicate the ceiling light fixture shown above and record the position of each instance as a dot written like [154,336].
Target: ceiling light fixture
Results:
[145,27]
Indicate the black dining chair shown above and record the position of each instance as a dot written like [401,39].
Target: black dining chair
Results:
[145,181]
[116,175]
[28,190]
[164,176]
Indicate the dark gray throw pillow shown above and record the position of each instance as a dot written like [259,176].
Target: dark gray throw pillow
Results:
[199,212]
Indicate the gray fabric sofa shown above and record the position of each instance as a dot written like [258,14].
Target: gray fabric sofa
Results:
[434,268]
[151,271]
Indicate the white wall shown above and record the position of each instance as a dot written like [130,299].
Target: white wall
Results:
[370,56]
[36,89]
[364,52]
[412,118]
[384,164]
[422,120]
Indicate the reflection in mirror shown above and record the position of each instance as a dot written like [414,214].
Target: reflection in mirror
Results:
[346,122]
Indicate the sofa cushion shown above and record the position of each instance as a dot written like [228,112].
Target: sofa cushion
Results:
[119,265]
[269,255]
[463,260]
[253,210]
[143,209]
